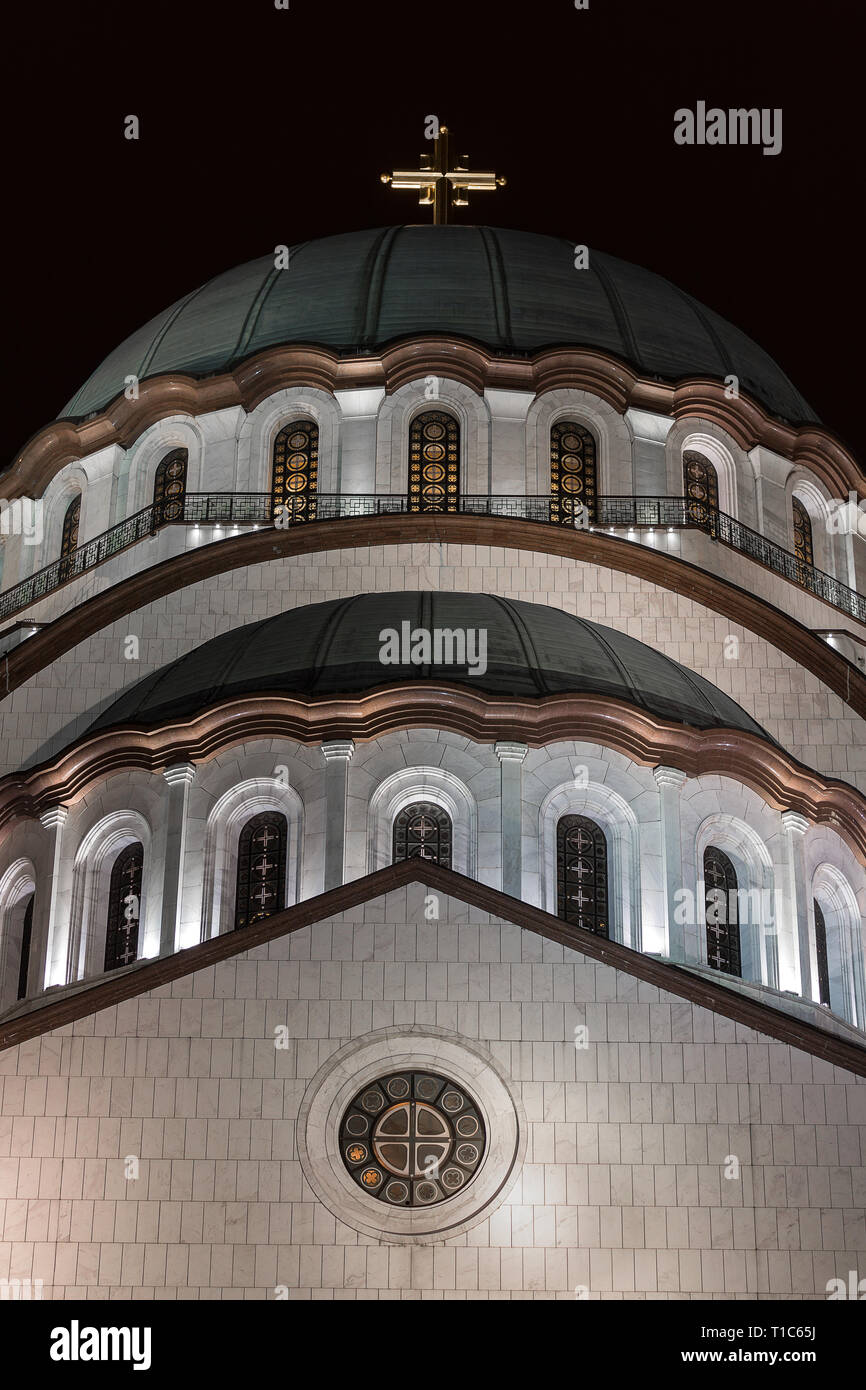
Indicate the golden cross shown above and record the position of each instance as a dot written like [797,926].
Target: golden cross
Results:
[438,184]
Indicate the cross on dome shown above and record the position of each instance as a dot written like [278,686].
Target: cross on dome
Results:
[439,185]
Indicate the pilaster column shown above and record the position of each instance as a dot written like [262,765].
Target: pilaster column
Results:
[337,756]
[50,953]
[797,969]
[670,781]
[511,757]
[180,778]
[649,452]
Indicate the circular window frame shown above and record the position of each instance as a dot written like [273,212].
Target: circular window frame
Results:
[364,1060]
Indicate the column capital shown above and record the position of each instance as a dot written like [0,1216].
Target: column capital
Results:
[511,752]
[793,821]
[669,776]
[179,773]
[338,749]
[54,817]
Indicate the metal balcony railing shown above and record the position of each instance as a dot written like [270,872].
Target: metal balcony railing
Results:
[257,508]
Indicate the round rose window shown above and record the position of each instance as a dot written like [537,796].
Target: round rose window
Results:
[412,1139]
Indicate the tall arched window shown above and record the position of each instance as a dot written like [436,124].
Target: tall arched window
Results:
[261,887]
[821,951]
[169,486]
[701,488]
[573,475]
[582,895]
[721,904]
[803,548]
[69,536]
[423,831]
[26,936]
[124,907]
[434,462]
[296,467]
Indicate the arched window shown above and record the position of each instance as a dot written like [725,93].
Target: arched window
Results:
[423,831]
[124,907]
[573,476]
[721,912]
[701,488]
[803,548]
[821,951]
[581,874]
[26,935]
[434,462]
[169,487]
[261,889]
[69,537]
[296,467]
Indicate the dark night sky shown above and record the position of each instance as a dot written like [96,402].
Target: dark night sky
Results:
[261,126]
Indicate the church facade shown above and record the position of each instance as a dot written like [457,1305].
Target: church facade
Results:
[432,822]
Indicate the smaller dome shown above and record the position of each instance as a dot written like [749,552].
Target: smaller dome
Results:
[329,649]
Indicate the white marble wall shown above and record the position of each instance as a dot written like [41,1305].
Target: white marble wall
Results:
[622,1193]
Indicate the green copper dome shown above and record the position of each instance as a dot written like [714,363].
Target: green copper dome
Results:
[512,292]
[335,648]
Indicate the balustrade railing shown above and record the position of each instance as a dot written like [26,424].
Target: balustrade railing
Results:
[220,509]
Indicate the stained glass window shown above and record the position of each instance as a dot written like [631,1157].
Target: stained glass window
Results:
[169,487]
[69,538]
[721,911]
[296,469]
[802,533]
[124,907]
[701,487]
[434,462]
[26,935]
[423,831]
[573,480]
[582,874]
[821,948]
[412,1139]
[261,887]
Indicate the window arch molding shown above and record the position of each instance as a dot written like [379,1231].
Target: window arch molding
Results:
[64,487]
[822,518]
[395,418]
[753,865]
[830,888]
[231,812]
[258,434]
[430,784]
[734,471]
[161,439]
[613,814]
[613,441]
[91,876]
[17,886]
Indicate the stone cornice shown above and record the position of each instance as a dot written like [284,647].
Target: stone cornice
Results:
[783,783]
[696,989]
[589,547]
[253,380]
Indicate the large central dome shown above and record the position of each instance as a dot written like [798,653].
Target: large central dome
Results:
[334,648]
[512,292]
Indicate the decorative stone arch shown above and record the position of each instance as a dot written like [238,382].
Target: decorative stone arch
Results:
[614,464]
[432,784]
[733,467]
[91,876]
[229,815]
[69,483]
[396,414]
[17,886]
[176,432]
[617,819]
[756,893]
[821,509]
[259,429]
[832,890]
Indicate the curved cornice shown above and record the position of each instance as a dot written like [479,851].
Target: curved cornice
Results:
[588,547]
[777,777]
[600,373]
